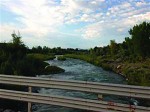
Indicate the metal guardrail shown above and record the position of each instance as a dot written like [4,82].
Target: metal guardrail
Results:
[86,104]
[93,87]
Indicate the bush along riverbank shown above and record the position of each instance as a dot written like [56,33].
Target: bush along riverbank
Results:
[42,57]
[53,70]
[61,58]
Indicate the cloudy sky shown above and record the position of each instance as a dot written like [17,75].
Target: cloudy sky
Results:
[71,23]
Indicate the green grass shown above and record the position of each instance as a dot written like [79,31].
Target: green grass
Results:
[61,58]
[87,58]
[138,73]
[42,57]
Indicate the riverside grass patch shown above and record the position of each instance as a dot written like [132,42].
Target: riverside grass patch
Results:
[42,57]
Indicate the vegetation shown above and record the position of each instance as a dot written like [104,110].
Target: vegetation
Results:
[55,50]
[53,70]
[130,58]
[42,57]
[140,37]
[15,60]
[61,58]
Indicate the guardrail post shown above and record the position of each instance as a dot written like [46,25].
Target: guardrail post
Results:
[100,96]
[29,103]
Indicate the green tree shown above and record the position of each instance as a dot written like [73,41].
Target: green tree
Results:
[16,39]
[17,48]
[140,37]
[113,47]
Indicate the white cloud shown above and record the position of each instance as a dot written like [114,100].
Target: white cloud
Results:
[87,18]
[42,19]
[43,16]
[36,17]
[141,3]
[5,30]
[91,31]
[100,29]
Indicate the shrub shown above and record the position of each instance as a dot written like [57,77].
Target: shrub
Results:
[6,68]
[61,58]
[42,57]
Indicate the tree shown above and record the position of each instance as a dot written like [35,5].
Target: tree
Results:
[16,39]
[17,48]
[128,46]
[140,37]
[113,47]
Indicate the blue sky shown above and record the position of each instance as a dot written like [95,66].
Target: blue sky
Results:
[71,23]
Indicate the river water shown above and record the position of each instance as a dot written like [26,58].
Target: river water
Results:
[79,70]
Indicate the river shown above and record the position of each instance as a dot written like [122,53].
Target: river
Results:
[79,70]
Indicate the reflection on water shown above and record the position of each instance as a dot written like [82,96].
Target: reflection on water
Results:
[79,70]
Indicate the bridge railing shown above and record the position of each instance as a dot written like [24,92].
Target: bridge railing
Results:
[93,87]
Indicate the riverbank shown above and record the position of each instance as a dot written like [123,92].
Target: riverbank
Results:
[42,57]
[137,73]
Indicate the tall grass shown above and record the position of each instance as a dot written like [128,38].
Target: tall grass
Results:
[42,57]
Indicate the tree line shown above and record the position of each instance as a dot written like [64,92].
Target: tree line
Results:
[134,48]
